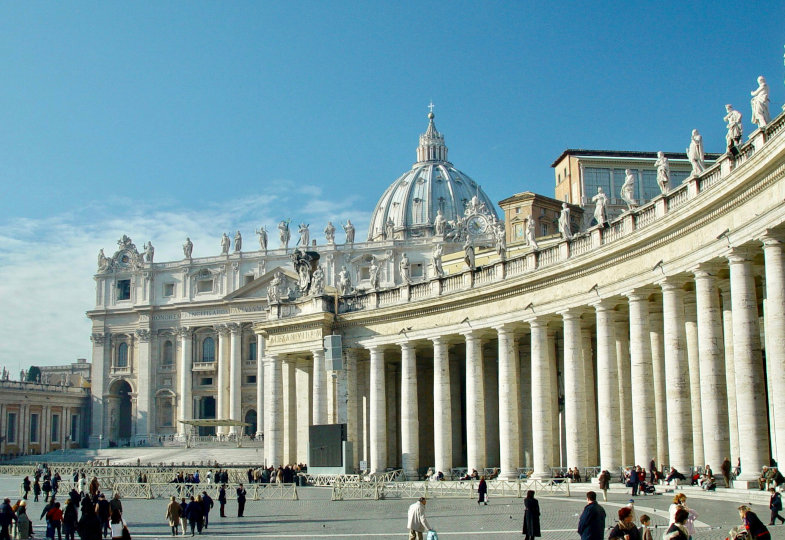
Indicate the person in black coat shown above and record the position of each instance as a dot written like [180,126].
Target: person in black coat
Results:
[482,491]
[753,524]
[195,515]
[7,517]
[222,499]
[26,486]
[591,525]
[88,527]
[207,505]
[531,516]
[240,501]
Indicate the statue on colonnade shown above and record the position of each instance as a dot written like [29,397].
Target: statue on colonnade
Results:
[262,238]
[628,189]
[349,230]
[600,207]
[760,103]
[225,243]
[735,127]
[565,223]
[695,153]
[663,172]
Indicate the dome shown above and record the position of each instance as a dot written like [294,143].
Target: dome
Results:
[411,202]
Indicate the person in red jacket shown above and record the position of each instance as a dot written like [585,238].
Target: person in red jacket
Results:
[54,519]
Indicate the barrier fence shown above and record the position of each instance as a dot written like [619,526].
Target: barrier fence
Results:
[376,490]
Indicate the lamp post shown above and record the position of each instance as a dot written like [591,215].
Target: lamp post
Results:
[100,440]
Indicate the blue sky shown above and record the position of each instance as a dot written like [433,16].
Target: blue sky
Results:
[161,119]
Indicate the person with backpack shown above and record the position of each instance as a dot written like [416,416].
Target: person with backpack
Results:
[54,522]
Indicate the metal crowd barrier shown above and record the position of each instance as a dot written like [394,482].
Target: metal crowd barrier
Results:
[254,492]
[376,490]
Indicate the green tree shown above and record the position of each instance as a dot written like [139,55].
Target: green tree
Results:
[33,373]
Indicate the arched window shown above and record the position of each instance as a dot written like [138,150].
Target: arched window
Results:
[122,355]
[208,350]
[252,349]
[168,353]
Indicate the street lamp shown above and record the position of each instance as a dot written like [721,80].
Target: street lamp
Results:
[100,440]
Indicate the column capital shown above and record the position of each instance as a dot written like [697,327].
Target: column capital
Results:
[773,237]
[706,270]
[673,283]
[272,359]
[604,304]
[473,334]
[100,339]
[234,328]
[405,345]
[143,335]
[184,332]
[571,313]
[639,294]
[506,329]
[740,254]
[221,329]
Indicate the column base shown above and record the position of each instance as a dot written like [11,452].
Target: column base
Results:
[508,476]
[96,442]
[745,483]
[541,475]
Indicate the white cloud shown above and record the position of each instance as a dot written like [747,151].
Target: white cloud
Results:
[47,264]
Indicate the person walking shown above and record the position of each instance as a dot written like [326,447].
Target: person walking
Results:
[222,500]
[104,512]
[54,518]
[591,525]
[70,519]
[753,524]
[775,505]
[194,514]
[46,488]
[89,526]
[173,514]
[604,480]
[115,505]
[680,502]
[116,526]
[207,505]
[7,518]
[416,522]
[531,516]
[725,468]
[646,528]
[240,500]
[677,529]
[36,490]
[482,491]
[625,528]
[24,527]
[183,517]
[25,487]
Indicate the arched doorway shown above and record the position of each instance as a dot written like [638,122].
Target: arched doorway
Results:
[120,421]
[250,418]
[207,411]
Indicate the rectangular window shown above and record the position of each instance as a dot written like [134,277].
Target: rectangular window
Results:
[10,432]
[75,427]
[55,428]
[544,229]
[417,270]
[34,428]
[649,187]
[594,178]
[204,286]
[365,272]
[678,178]
[123,289]
[517,209]
[247,279]
[250,379]
[206,381]
[168,289]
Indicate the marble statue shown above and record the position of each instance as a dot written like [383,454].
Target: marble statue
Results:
[389,229]
[500,237]
[103,261]
[663,172]
[317,281]
[305,236]
[225,243]
[405,269]
[600,206]
[238,242]
[374,274]
[628,189]
[760,103]
[188,248]
[305,264]
[468,253]
[329,233]
[149,251]
[283,233]
[439,223]
[344,281]
[531,233]
[695,153]
[349,230]
[262,238]
[274,289]
[735,128]
[565,222]
[23,375]
[436,257]
[474,206]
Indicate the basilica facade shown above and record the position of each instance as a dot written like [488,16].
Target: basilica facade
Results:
[656,335]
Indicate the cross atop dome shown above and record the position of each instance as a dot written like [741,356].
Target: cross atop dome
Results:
[432,147]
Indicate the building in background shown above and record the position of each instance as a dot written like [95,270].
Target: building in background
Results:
[545,212]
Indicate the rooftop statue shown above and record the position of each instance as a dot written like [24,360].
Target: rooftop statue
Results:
[531,233]
[149,251]
[238,242]
[600,207]
[349,230]
[405,269]
[437,260]
[283,233]
[305,263]
[188,248]
[274,289]
[374,274]
[735,128]
[628,189]
[103,261]
[695,153]
[317,282]
[439,223]
[262,238]
[344,281]
[329,233]
[305,236]
[225,243]
[760,103]
[468,253]
[565,222]
[663,172]
[389,229]
[500,237]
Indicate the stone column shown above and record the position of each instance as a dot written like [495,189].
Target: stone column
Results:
[658,378]
[750,387]
[677,374]
[643,416]
[541,390]
[289,410]
[557,424]
[235,376]
[774,321]
[260,386]
[319,388]
[222,402]
[593,457]
[102,348]
[714,400]
[509,404]
[144,369]
[185,371]
[607,388]
[303,406]
[352,397]
[574,391]
[475,403]
[693,360]
[273,411]
[410,425]
[378,411]
[525,414]
[442,407]
[627,441]
[730,372]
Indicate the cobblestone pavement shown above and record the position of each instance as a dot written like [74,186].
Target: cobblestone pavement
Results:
[315,516]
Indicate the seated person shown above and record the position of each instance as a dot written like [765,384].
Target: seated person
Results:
[763,479]
[709,484]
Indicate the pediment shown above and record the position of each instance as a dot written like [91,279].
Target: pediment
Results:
[258,287]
